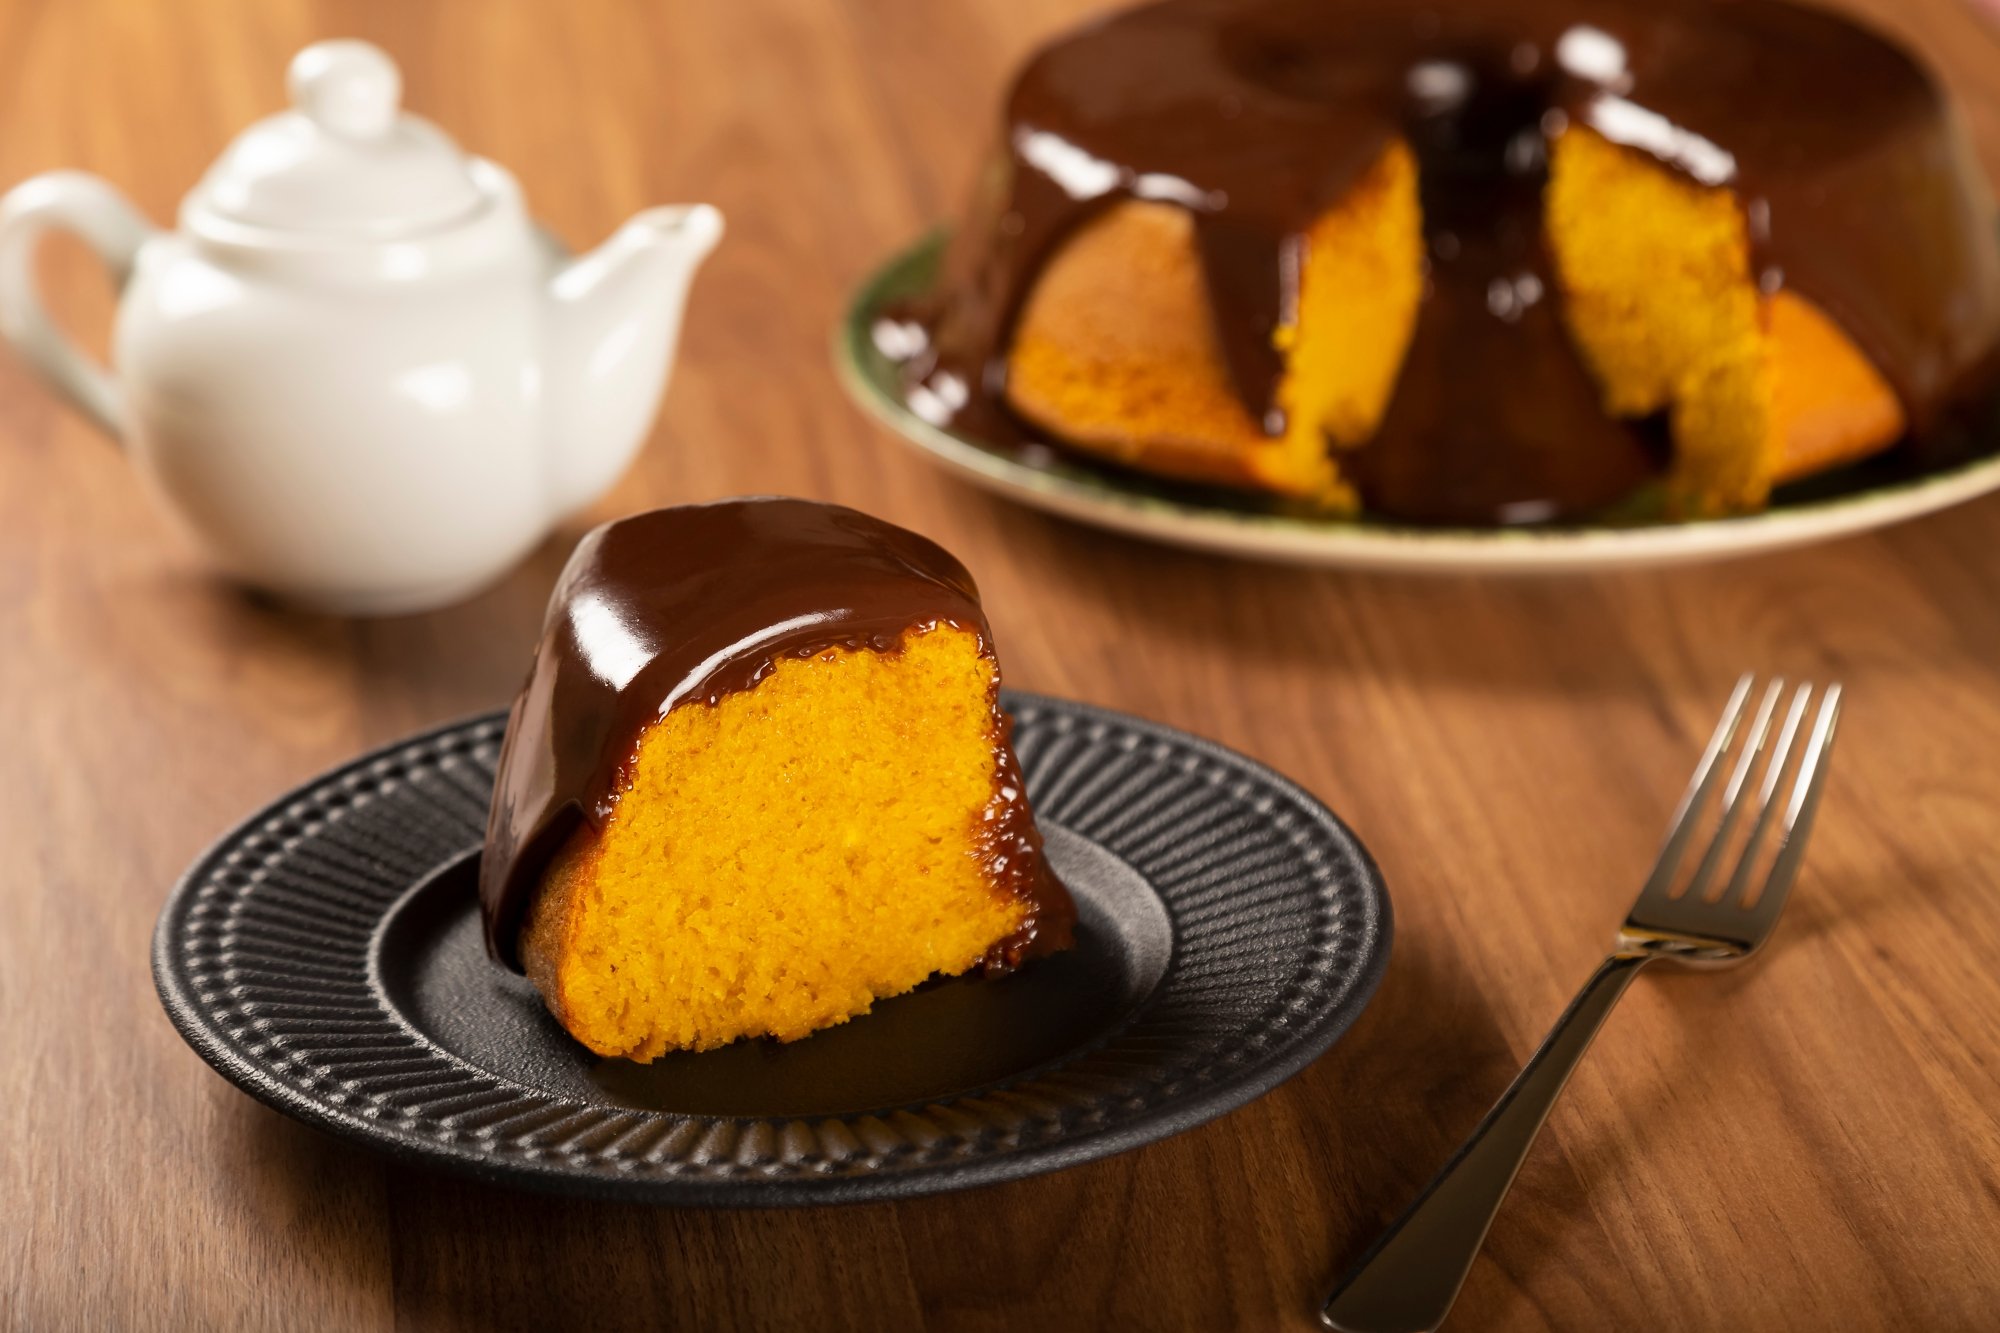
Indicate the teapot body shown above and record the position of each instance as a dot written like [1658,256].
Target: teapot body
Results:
[362,445]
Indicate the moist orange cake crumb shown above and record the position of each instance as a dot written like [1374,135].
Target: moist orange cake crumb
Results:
[783,858]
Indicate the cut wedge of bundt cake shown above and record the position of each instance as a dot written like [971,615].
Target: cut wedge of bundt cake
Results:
[1659,292]
[759,778]
[1115,350]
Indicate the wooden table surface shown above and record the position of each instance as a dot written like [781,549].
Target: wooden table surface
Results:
[1811,1143]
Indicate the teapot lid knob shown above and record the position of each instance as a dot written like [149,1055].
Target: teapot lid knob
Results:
[346,87]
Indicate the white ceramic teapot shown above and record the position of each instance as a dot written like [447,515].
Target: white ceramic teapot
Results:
[358,370]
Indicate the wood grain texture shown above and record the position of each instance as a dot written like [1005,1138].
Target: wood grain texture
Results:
[1811,1143]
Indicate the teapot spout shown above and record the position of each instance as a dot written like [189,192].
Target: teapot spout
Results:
[614,326]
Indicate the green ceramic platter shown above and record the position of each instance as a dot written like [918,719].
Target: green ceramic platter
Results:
[1854,500]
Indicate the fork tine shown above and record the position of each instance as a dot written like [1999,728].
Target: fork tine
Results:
[1799,812]
[1660,882]
[1732,803]
[1767,805]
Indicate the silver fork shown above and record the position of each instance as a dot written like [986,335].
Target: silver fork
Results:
[1407,1282]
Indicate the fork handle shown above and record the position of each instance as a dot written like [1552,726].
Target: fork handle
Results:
[1407,1282]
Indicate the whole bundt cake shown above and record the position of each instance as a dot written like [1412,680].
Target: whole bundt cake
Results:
[758,778]
[1469,261]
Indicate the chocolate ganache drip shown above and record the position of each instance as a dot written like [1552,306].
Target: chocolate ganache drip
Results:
[1257,117]
[684,605]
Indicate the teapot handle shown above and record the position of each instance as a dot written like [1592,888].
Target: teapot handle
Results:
[114,230]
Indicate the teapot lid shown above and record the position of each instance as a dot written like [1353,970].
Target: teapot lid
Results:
[345,162]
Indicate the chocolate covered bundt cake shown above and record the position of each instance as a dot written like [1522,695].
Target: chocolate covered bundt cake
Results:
[1469,261]
[758,779]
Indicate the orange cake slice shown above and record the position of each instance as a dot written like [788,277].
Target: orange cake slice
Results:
[759,779]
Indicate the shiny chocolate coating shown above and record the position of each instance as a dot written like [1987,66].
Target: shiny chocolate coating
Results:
[678,607]
[1259,116]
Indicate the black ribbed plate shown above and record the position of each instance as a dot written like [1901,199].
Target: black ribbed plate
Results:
[325,957]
